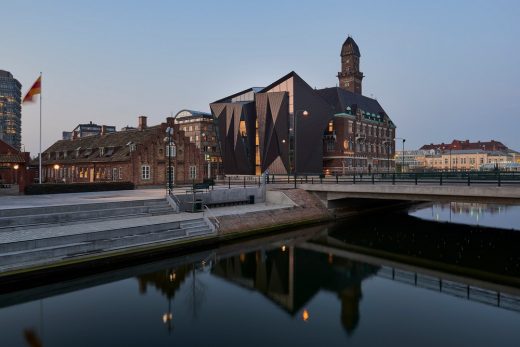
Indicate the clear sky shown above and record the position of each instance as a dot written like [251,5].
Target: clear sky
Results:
[441,69]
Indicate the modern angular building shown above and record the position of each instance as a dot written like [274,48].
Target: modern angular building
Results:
[290,128]
[10,110]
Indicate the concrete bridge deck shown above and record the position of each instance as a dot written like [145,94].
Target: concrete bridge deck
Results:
[411,192]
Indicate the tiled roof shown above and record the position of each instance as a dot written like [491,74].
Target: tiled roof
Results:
[116,146]
[11,158]
[341,98]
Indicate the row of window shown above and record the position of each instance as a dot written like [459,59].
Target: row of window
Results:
[146,172]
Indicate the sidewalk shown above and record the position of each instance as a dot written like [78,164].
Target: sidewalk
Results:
[24,201]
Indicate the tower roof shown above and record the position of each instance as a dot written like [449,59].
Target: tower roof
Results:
[350,47]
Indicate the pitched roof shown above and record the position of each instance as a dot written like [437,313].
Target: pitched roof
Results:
[345,49]
[341,98]
[458,144]
[11,158]
[89,146]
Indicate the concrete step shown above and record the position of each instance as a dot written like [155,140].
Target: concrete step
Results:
[78,207]
[39,220]
[37,243]
[61,251]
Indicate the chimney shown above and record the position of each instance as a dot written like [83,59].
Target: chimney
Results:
[142,123]
[75,134]
[103,130]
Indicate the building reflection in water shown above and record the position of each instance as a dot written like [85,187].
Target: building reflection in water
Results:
[168,282]
[291,277]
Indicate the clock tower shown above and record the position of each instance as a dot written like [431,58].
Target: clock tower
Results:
[350,77]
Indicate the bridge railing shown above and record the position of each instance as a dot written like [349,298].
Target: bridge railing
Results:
[430,178]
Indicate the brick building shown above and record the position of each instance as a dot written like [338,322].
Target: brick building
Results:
[137,155]
[14,168]
[200,128]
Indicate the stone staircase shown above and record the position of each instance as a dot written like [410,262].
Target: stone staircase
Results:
[39,236]
[37,217]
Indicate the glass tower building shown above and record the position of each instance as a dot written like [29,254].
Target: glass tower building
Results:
[10,109]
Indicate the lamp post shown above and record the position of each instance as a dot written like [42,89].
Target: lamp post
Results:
[56,168]
[387,143]
[15,167]
[450,159]
[402,155]
[170,152]
[305,113]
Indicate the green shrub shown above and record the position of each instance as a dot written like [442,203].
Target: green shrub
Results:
[53,188]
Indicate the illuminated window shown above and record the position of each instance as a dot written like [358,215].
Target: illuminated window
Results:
[243,131]
[331,126]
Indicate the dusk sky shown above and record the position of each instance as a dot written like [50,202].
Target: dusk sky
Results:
[440,69]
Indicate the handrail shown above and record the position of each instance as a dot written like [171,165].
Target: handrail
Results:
[176,200]
[217,222]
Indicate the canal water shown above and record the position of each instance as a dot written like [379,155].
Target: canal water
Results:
[439,275]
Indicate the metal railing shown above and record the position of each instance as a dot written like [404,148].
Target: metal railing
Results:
[461,290]
[431,178]
[216,222]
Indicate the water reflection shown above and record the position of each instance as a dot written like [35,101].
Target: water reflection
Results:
[323,285]
[492,215]
[291,278]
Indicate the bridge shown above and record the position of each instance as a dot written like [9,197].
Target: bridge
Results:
[453,186]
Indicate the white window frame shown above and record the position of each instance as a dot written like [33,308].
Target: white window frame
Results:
[145,172]
[193,171]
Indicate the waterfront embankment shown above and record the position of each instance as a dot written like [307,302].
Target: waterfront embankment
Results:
[51,232]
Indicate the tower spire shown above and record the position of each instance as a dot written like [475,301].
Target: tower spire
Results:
[350,78]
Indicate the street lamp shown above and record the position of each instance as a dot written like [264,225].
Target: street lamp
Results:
[402,156]
[15,167]
[387,143]
[170,152]
[56,168]
[305,113]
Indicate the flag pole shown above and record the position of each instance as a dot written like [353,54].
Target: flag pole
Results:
[40,153]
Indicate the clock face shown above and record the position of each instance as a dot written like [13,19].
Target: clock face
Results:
[345,145]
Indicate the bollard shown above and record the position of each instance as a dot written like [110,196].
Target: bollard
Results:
[294,181]
[288,180]
[393,178]
[354,179]
[469,180]
[337,179]
[273,179]
[441,179]
[499,183]
[312,180]
[321,179]
[373,181]
[416,179]
[244,181]
[229,182]
[306,181]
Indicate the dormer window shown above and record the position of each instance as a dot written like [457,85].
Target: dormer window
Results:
[64,154]
[101,151]
[109,151]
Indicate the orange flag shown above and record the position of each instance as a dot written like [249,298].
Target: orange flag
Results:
[35,89]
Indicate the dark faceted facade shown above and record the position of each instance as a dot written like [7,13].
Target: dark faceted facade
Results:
[10,110]
[290,128]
